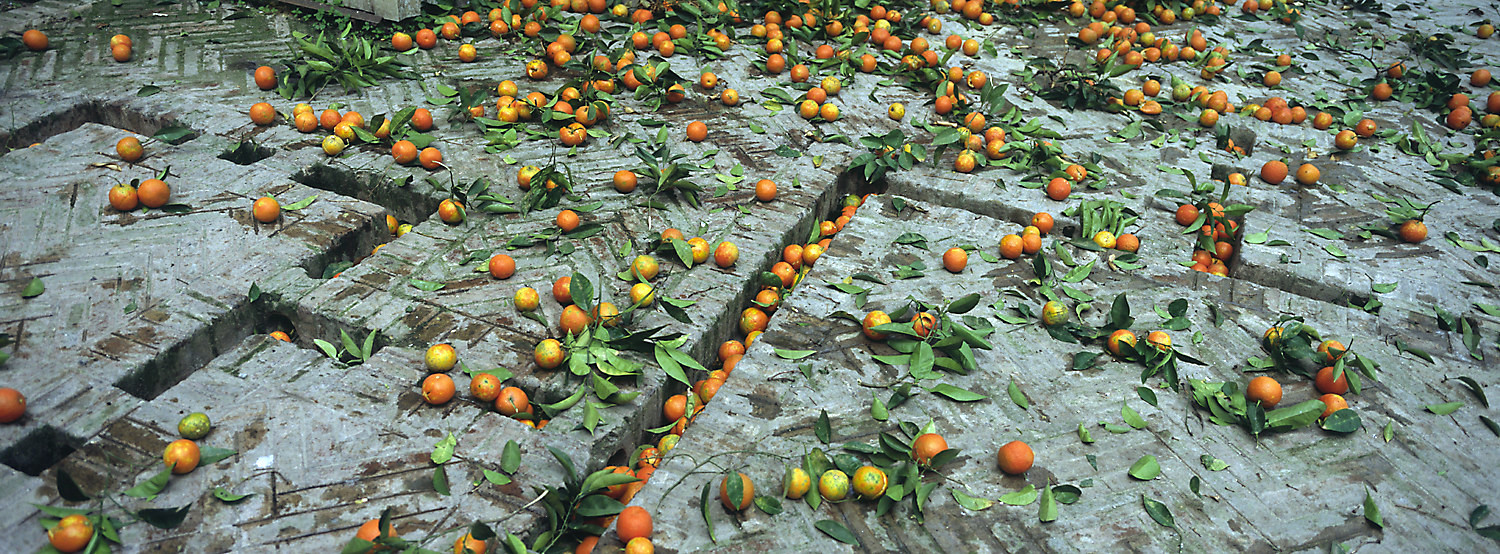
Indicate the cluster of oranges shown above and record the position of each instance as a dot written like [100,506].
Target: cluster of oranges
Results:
[1220,228]
[438,388]
[1267,391]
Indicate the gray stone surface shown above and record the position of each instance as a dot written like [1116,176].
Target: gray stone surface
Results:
[147,316]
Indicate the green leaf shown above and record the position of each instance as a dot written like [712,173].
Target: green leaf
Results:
[148,90]
[1047,510]
[496,478]
[956,393]
[255,292]
[1402,346]
[703,501]
[303,203]
[440,481]
[1213,464]
[794,354]
[172,133]
[1383,288]
[1016,395]
[1145,468]
[1131,418]
[209,455]
[1146,394]
[1372,512]
[149,488]
[164,518]
[1019,498]
[443,450]
[1335,250]
[1342,421]
[33,288]
[877,408]
[428,286]
[837,531]
[768,504]
[823,428]
[1476,389]
[1444,408]
[223,494]
[964,304]
[1084,435]
[510,457]
[68,489]
[1079,273]
[1158,512]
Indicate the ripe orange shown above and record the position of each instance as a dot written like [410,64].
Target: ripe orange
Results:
[1273,172]
[923,323]
[872,320]
[403,151]
[124,197]
[71,534]
[1043,222]
[567,220]
[562,290]
[153,193]
[467,544]
[262,113]
[625,180]
[726,254]
[12,405]
[765,190]
[485,387]
[430,158]
[512,401]
[440,358]
[34,40]
[753,319]
[1015,458]
[1325,382]
[1265,390]
[633,522]
[266,209]
[1117,339]
[955,259]
[645,267]
[747,494]
[1059,189]
[1365,128]
[182,456]
[437,389]
[870,482]
[1332,403]
[697,131]
[265,77]
[421,119]
[1331,349]
[927,446]
[1307,174]
[1160,339]
[1413,231]
[548,354]
[370,530]
[129,149]
[573,320]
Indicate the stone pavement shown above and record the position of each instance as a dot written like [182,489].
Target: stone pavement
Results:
[148,316]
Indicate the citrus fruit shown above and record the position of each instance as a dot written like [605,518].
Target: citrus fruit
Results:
[634,522]
[194,426]
[437,389]
[833,485]
[870,482]
[1015,457]
[181,455]
[440,358]
[12,405]
[797,483]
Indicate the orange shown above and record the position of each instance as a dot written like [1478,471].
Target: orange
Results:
[124,197]
[430,158]
[512,401]
[1413,231]
[640,545]
[548,354]
[1332,403]
[562,290]
[153,193]
[1160,339]
[1186,214]
[265,77]
[403,151]
[633,522]
[1118,338]
[1043,222]
[1015,458]
[731,348]
[1307,174]
[872,320]
[1325,382]
[1059,189]
[370,530]
[421,119]
[129,149]
[923,323]
[573,320]
[675,407]
[645,267]
[927,446]
[1054,312]
[726,254]
[71,534]
[753,319]
[485,387]
[747,494]
[182,456]
[437,389]
[1331,349]
[1365,128]
[697,131]
[625,181]
[833,485]
[1273,172]
[401,42]
[12,405]
[567,220]
[440,358]
[34,40]
[765,190]
[1127,242]
[870,482]
[1265,390]
[467,544]
[266,209]
[955,259]
[262,113]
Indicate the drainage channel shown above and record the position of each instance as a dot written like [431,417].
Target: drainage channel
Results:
[113,114]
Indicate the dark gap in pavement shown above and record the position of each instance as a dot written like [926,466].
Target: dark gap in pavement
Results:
[40,449]
[104,113]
